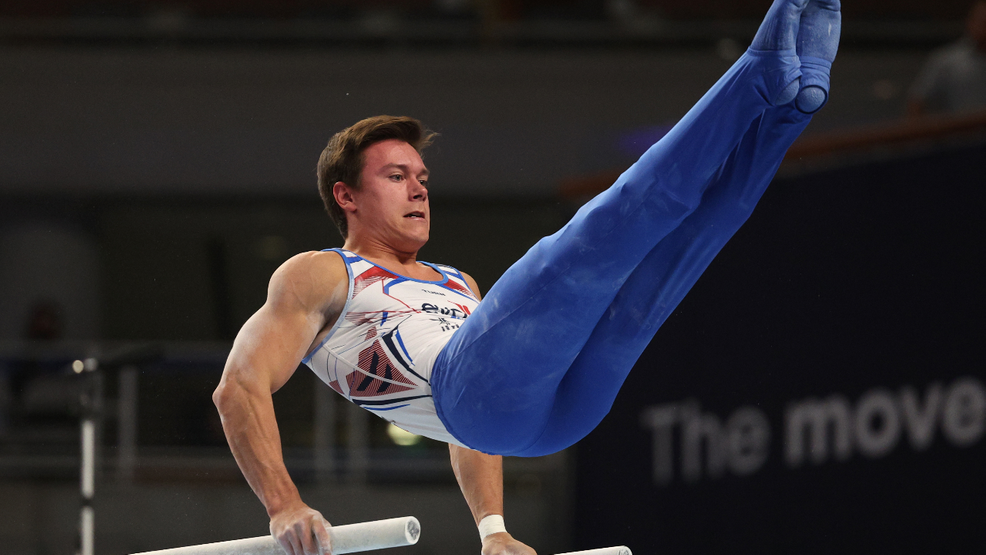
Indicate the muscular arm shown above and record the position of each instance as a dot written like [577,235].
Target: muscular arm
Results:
[480,477]
[304,297]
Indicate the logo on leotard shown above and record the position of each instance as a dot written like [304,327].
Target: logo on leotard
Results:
[461,313]
[433,292]
[446,324]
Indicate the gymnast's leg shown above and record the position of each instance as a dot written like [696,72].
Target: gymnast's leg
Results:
[494,382]
[661,281]
[645,301]
[589,388]
[586,393]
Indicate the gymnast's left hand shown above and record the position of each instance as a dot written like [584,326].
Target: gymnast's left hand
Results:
[301,530]
[503,543]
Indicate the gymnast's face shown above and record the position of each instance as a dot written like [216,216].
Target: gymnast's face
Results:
[390,207]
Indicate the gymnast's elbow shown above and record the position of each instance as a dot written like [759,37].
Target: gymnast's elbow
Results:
[224,397]
[231,393]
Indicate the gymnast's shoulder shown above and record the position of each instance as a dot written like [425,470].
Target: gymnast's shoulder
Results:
[314,280]
[472,284]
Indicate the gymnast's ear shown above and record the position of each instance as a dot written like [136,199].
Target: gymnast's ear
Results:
[343,195]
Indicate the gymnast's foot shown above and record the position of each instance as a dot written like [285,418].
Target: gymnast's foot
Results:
[804,33]
[779,30]
[818,42]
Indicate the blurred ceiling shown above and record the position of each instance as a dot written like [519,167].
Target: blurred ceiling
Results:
[442,22]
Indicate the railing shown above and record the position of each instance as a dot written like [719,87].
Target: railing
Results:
[824,150]
[892,137]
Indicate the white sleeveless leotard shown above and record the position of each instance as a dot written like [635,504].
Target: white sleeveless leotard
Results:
[380,352]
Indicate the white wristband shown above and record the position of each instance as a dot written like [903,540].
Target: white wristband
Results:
[491,524]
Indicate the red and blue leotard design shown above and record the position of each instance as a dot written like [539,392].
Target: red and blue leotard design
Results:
[380,352]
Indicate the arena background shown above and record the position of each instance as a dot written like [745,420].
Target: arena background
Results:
[821,388]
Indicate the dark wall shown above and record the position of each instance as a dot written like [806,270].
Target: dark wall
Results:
[822,388]
[237,122]
[196,270]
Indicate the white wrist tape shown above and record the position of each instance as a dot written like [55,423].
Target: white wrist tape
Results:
[491,524]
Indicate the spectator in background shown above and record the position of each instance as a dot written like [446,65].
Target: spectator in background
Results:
[953,80]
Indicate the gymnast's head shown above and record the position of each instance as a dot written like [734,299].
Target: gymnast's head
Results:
[343,162]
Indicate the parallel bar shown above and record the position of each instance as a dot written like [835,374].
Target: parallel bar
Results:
[349,538]
[88,471]
[616,550]
[87,517]
[358,444]
[126,422]
[87,527]
[325,435]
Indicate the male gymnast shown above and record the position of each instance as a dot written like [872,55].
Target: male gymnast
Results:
[535,366]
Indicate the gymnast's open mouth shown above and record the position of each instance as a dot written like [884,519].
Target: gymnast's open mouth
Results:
[420,215]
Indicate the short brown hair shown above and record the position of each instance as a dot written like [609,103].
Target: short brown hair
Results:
[343,160]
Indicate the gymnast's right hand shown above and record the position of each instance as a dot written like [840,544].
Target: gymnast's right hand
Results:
[301,530]
[503,543]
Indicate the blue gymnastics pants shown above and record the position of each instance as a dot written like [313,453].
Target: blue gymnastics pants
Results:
[539,363]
